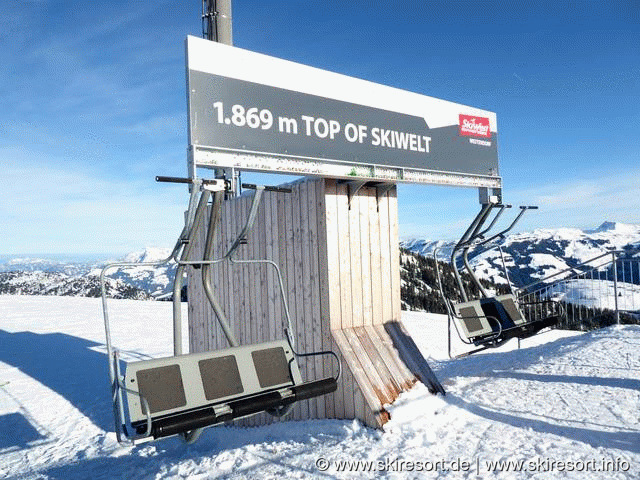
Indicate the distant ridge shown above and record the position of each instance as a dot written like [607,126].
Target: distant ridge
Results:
[533,255]
[529,256]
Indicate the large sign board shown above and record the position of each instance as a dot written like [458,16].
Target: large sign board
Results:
[254,112]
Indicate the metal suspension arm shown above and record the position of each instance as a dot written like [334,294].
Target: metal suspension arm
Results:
[500,234]
[206,268]
[495,219]
[467,237]
[523,209]
[469,243]
[177,282]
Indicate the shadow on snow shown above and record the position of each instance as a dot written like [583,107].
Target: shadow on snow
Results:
[66,365]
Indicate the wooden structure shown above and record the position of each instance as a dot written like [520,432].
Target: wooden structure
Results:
[337,248]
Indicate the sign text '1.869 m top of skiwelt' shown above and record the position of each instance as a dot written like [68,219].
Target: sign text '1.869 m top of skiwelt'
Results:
[255,112]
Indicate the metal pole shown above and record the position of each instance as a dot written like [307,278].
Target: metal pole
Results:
[206,276]
[615,285]
[177,282]
[217,26]
[217,21]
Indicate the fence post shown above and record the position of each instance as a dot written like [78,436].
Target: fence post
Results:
[615,285]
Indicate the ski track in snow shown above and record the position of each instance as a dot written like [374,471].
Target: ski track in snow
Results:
[563,397]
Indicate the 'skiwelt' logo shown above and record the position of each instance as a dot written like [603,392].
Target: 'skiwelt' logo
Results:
[474,126]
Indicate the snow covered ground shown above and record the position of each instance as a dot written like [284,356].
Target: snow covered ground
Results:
[595,293]
[561,398]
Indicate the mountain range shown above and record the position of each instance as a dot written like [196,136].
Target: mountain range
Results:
[531,256]
[528,257]
[33,275]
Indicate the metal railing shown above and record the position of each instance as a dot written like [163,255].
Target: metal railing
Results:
[602,291]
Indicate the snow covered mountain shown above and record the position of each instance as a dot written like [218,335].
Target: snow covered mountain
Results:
[156,281]
[528,256]
[533,255]
[80,278]
[56,283]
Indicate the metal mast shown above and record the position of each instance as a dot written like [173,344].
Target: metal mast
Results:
[217,27]
[216,21]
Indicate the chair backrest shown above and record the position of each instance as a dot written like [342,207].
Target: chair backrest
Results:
[472,319]
[188,382]
[510,306]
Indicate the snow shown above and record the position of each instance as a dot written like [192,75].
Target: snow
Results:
[595,293]
[563,397]
[546,264]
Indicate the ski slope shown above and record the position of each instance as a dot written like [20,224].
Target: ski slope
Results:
[561,398]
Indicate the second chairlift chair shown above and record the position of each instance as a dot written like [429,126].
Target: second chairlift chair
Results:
[492,320]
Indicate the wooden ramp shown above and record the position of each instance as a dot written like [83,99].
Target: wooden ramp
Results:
[337,248]
[383,363]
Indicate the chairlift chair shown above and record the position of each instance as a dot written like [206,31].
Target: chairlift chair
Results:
[182,394]
[491,320]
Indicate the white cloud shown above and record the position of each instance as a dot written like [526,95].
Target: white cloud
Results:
[60,208]
[444,214]
[585,202]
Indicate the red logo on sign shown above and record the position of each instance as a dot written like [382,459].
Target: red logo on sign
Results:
[474,126]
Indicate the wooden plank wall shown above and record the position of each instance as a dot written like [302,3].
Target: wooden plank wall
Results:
[340,267]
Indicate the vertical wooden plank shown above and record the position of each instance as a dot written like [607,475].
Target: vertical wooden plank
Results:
[218,286]
[282,221]
[307,206]
[196,315]
[231,276]
[292,224]
[356,260]
[220,272]
[323,196]
[275,307]
[260,247]
[332,258]
[376,257]
[342,220]
[228,236]
[217,337]
[282,252]
[219,289]
[227,268]
[299,218]
[249,299]
[335,285]
[255,287]
[260,239]
[394,249]
[385,259]
[365,255]
[197,282]
[265,271]
[239,272]
[316,327]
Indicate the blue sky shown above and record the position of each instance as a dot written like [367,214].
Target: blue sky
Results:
[92,106]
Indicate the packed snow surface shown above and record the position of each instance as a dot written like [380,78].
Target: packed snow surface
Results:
[563,406]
